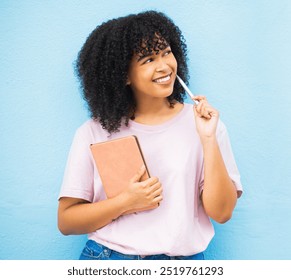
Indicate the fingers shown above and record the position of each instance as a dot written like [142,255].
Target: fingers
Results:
[138,175]
[151,181]
[154,189]
[155,186]
[199,98]
[204,109]
[156,192]
[147,193]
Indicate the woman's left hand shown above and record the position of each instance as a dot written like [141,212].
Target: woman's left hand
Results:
[206,118]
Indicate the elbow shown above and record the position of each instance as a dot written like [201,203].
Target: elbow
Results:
[220,216]
[222,219]
[63,229]
[62,226]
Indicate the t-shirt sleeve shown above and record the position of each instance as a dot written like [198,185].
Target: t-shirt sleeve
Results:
[228,158]
[78,178]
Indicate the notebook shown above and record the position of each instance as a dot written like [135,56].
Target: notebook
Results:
[117,162]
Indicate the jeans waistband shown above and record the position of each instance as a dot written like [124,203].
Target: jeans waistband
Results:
[94,250]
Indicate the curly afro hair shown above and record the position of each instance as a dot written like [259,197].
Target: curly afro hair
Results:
[103,63]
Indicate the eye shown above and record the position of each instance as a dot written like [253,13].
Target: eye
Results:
[148,61]
[167,52]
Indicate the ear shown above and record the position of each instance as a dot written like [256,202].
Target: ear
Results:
[128,81]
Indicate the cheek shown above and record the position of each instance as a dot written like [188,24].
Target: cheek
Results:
[144,74]
[174,63]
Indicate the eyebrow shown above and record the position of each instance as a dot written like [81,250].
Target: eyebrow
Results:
[141,57]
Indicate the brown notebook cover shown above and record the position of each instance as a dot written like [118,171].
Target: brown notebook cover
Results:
[117,162]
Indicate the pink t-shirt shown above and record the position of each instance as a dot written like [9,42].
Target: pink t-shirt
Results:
[173,153]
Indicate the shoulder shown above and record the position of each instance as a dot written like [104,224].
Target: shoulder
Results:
[91,131]
[188,111]
[188,107]
[88,125]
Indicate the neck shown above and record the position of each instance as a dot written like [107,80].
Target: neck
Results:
[155,111]
[151,106]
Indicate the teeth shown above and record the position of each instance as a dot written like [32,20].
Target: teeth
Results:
[161,80]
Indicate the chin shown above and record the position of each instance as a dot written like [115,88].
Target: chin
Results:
[167,93]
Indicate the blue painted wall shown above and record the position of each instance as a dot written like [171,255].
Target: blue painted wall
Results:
[239,57]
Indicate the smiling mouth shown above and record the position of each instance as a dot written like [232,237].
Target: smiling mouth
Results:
[163,79]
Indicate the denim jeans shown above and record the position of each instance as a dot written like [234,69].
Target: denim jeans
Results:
[96,251]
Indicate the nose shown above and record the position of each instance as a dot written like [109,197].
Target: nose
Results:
[162,65]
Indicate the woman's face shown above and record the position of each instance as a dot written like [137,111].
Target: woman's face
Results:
[154,74]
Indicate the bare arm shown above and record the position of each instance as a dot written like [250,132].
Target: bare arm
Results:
[78,216]
[219,195]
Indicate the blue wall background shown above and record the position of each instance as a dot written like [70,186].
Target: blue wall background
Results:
[239,57]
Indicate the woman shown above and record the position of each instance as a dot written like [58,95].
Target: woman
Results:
[127,68]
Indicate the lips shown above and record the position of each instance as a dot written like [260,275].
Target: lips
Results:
[163,79]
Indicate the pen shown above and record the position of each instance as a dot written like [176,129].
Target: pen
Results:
[187,89]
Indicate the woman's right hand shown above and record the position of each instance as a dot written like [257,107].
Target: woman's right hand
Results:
[142,195]
[79,216]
